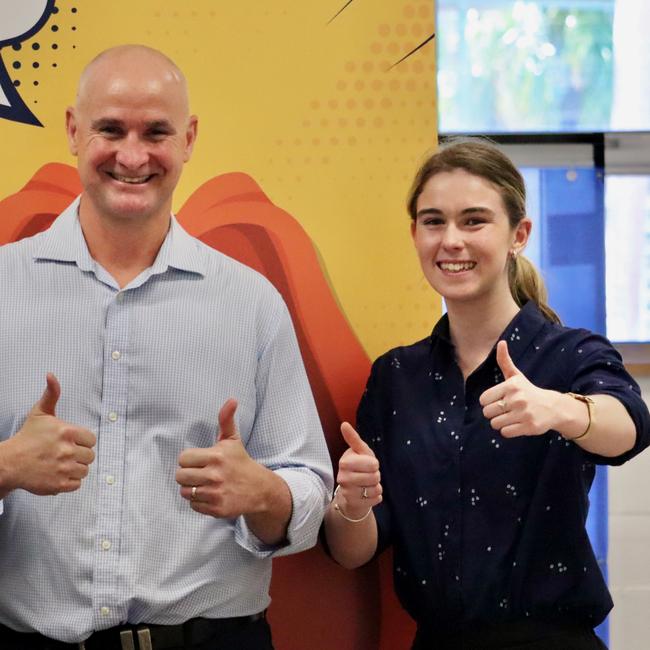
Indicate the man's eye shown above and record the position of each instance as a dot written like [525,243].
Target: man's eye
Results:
[157,134]
[110,131]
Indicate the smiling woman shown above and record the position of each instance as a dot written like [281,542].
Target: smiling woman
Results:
[470,197]
[498,419]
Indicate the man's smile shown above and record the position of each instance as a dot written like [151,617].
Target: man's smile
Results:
[131,180]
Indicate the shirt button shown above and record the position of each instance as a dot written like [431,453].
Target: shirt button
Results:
[110,479]
[116,355]
[120,296]
[104,611]
[112,416]
[106,545]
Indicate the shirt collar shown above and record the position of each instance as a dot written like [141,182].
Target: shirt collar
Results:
[64,242]
[180,251]
[519,333]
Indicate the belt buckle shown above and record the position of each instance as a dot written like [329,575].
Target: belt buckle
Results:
[144,639]
[126,640]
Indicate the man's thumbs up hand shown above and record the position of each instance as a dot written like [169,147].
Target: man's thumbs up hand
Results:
[47,455]
[222,480]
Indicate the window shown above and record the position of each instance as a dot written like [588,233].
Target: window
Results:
[551,65]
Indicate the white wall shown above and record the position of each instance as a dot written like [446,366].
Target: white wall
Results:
[629,549]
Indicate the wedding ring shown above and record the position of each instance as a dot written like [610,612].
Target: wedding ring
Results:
[193,495]
[364,494]
[502,404]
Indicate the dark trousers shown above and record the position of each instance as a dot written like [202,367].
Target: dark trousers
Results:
[255,635]
[525,635]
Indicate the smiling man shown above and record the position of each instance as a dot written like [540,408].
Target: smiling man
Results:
[176,448]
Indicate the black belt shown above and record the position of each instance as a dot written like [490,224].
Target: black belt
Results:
[134,637]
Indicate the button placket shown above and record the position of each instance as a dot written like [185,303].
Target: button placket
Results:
[110,456]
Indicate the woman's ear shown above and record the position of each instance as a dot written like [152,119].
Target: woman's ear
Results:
[521,235]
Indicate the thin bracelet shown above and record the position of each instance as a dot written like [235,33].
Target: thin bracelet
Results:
[336,507]
[589,402]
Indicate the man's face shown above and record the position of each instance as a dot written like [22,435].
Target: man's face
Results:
[131,133]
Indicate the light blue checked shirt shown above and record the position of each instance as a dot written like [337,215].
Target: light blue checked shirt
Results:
[147,369]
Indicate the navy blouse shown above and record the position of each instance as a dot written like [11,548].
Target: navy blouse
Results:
[487,529]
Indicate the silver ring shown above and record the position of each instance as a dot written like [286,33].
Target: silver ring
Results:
[503,405]
[364,493]
[193,495]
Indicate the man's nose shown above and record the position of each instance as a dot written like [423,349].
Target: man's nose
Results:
[132,153]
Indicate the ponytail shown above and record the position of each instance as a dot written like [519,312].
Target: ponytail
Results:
[527,284]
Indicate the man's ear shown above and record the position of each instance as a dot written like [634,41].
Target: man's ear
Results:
[71,129]
[190,136]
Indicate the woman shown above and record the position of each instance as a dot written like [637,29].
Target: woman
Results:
[486,433]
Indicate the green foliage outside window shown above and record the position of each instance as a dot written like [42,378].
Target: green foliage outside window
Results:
[525,66]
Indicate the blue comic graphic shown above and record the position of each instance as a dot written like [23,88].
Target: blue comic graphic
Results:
[19,20]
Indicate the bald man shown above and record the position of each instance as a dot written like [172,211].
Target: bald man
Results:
[159,443]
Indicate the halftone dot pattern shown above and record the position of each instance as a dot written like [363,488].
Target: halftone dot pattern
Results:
[371,106]
[369,92]
[26,60]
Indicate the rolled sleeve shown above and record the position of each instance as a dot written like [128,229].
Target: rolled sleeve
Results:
[309,497]
[600,371]
[287,438]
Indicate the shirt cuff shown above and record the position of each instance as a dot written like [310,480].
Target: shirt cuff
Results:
[309,498]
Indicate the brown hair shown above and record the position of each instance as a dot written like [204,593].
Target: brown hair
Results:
[481,157]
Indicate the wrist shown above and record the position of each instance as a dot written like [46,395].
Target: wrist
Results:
[7,473]
[273,491]
[344,510]
[580,416]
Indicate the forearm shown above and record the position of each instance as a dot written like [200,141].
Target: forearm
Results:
[612,430]
[270,522]
[351,543]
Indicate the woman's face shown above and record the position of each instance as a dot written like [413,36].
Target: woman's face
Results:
[463,237]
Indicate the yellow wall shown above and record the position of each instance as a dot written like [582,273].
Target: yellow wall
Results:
[306,105]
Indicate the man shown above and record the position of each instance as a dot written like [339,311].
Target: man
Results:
[164,510]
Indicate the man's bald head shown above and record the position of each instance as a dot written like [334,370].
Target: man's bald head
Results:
[131,132]
[132,57]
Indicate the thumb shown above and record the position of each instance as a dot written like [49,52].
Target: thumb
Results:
[227,426]
[46,405]
[506,364]
[354,441]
